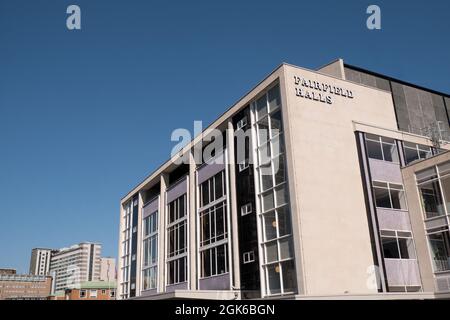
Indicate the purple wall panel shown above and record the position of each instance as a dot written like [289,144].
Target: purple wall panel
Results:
[393,219]
[150,208]
[402,272]
[221,282]
[178,286]
[177,190]
[208,170]
[385,171]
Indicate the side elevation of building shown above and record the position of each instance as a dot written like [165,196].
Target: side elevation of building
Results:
[297,191]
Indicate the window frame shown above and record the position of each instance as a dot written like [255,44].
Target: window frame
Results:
[177,259]
[147,240]
[389,188]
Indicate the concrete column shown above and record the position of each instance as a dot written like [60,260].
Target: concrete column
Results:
[161,285]
[236,281]
[192,224]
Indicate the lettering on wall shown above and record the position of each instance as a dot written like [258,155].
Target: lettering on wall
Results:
[319,91]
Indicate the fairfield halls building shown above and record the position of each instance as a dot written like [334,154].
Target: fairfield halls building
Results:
[332,197]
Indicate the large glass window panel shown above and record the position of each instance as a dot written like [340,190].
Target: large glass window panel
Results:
[264,154]
[271,251]
[406,246]
[284,221]
[382,199]
[390,152]
[390,248]
[274,98]
[431,199]
[281,195]
[220,223]
[218,184]
[410,155]
[273,276]
[266,176]
[268,200]
[374,149]
[275,123]
[270,226]
[398,199]
[286,250]
[205,193]
[221,259]
[440,253]
[277,145]
[261,107]
[289,278]
[279,169]
[206,263]
[263,131]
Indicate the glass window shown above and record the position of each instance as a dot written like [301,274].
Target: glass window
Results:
[289,278]
[273,275]
[214,231]
[381,148]
[406,246]
[150,251]
[263,130]
[390,248]
[286,250]
[284,221]
[275,123]
[440,250]
[261,107]
[278,260]
[374,150]
[274,98]
[432,203]
[270,226]
[268,201]
[415,152]
[389,195]
[177,240]
[279,169]
[271,251]
[398,246]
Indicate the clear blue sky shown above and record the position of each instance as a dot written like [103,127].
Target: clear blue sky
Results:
[85,115]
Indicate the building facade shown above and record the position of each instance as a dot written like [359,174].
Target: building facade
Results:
[70,267]
[24,287]
[298,192]
[40,261]
[90,290]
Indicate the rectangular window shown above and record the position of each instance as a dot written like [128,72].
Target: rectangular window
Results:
[213,227]
[246,209]
[82,293]
[248,257]
[241,123]
[439,242]
[243,165]
[413,152]
[177,240]
[92,293]
[389,195]
[397,245]
[150,251]
[275,217]
[381,148]
[214,261]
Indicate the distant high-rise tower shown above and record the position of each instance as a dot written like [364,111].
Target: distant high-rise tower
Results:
[72,266]
[40,261]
